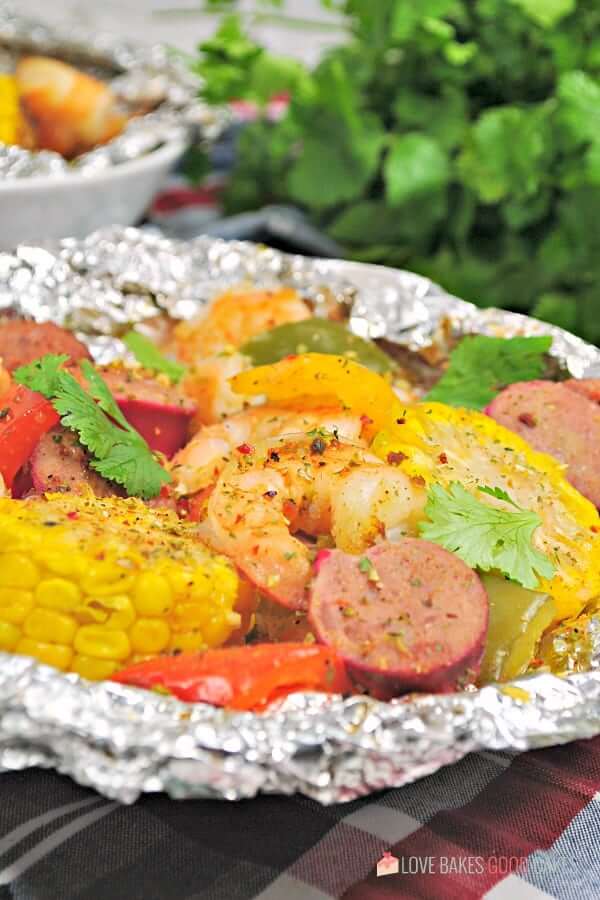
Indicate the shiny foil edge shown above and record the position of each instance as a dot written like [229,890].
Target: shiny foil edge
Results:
[141,74]
[123,741]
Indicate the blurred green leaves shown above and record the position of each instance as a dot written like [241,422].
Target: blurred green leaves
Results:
[459,138]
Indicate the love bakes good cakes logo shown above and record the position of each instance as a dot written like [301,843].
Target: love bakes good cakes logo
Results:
[448,865]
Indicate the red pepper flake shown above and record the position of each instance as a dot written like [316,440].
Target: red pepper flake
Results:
[443,458]
[321,557]
[418,480]
[291,356]
[595,529]
[394,459]
[72,515]
[245,449]
[366,420]
[536,663]
[528,420]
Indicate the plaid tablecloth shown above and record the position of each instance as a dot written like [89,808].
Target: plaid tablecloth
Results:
[494,825]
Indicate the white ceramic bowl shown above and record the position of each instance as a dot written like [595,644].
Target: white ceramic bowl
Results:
[37,209]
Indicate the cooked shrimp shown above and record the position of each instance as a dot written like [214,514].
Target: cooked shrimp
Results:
[208,385]
[200,462]
[297,483]
[68,111]
[234,318]
[210,342]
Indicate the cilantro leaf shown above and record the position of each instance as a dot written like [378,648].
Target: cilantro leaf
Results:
[486,537]
[100,392]
[119,453]
[151,358]
[481,366]
[43,374]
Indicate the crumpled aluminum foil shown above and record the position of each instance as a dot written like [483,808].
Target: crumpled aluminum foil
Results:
[142,76]
[123,741]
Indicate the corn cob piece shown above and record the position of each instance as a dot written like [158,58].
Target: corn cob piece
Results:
[9,109]
[89,585]
[441,444]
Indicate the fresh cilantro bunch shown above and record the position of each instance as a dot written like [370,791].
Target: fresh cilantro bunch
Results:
[457,138]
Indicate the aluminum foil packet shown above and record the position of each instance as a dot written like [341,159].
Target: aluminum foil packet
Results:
[123,741]
[143,77]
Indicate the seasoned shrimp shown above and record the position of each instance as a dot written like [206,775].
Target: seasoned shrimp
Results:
[234,318]
[200,462]
[68,111]
[300,484]
[210,343]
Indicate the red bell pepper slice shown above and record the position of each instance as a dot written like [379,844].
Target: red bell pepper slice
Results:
[25,417]
[245,678]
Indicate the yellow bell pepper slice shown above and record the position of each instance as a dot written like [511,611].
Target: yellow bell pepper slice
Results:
[319,379]
[441,444]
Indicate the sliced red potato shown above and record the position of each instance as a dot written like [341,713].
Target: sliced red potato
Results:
[159,410]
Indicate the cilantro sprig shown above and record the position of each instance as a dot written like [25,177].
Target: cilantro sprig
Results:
[486,537]
[481,366]
[118,451]
[150,357]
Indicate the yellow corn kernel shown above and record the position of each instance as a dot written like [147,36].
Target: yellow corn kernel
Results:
[217,630]
[51,654]
[93,668]
[60,563]
[115,613]
[187,642]
[17,570]
[153,595]
[149,636]
[14,605]
[58,593]
[50,626]
[189,615]
[9,109]
[104,579]
[9,635]
[97,641]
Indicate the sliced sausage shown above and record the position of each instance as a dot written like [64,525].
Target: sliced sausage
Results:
[557,420]
[60,463]
[22,342]
[589,387]
[159,410]
[405,616]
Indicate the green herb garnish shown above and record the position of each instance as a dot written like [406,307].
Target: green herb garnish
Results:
[486,537]
[481,366]
[118,451]
[150,357]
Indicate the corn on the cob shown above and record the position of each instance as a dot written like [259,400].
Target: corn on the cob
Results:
[439,443]
[88,585]
[9,109]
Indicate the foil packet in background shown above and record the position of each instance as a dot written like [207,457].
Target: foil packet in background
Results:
[124,741]
[144,77]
